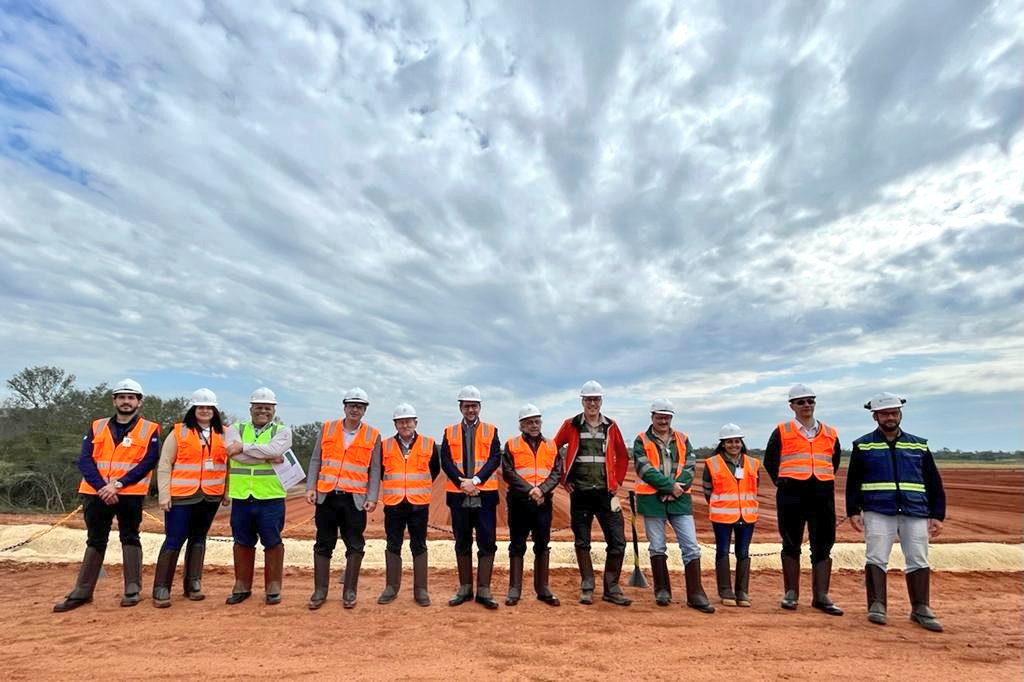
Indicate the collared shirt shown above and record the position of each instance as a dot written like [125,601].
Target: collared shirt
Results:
[468,443]
[808,433]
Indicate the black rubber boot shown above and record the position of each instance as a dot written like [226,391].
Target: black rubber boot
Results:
[392,577]
[696,598]
[790,582]
[348,593]
[821,576]
[273,574]
[612,572]
[541,577]
[877,592]
[131,557]
[919,590]
[586,564]
[166,564]
[88,574]
[661,580]
[483,581]
[465,591]
[723,577]
[743,582]
[195,554]
[321,581]
[245,567]
[419,580]
[515,580]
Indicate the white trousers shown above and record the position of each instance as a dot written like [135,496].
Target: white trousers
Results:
[881,531]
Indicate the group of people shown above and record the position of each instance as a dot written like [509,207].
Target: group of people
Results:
[893,490]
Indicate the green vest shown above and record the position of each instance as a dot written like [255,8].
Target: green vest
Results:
[255,480]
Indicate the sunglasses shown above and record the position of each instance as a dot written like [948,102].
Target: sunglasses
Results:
[803,401]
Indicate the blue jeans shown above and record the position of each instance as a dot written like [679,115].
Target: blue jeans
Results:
[723,531]
[686,535]
[251,518]
[188,522]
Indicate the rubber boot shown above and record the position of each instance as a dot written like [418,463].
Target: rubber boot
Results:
[348,593]
[919,589]
[392,577]
[612,591]
[88,574]
[465,591]
[662,581]
[483,581]
[195,554]
[541,577]
[876,588]
[321,581]
[419,580]
[821,576]
[586,564]
[743,582]
[515,580]
[790,582]
[273,573]
[166,564]
[131,558]
[724,578]
[695,595]
[245,567]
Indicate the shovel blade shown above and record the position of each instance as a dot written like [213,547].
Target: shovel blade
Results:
[637,579]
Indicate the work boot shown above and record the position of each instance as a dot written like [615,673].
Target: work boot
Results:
[392,577]
[131,558]
[195,554]
[465,591]
[419,580]
[586,564]
[662,581]
[166,564]
[790,582]
[919,588]
[695,595]
[273,572]
[88,574]
[821,575]
[483,581]
[541,575]
[348,593]
[321,581]
[724,579]
[515,580]
[245,567]
[875,585]
[612,571]
[743,582]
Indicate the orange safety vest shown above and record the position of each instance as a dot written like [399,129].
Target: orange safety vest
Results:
[407,478]
[341,467]
[196,465]
[731,498]
[114,460]
[799,457]
[481,452]
[654,457]
[533,467]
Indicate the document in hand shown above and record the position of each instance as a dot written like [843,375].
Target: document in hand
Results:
[289,472]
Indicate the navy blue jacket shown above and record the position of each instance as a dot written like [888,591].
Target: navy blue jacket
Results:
[894,477]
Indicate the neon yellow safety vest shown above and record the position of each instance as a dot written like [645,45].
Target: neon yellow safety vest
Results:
[256,480]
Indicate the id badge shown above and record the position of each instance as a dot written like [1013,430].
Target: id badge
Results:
[615,504]
[126,442]
[739,473]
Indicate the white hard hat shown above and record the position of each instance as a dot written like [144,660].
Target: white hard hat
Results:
[203,397]
[469,394]
[127,386]
[404,411]
[884,401]
[264,396]
[801,391]
[356,395]
[730,431]
[591,389]
[662,406]
[528,410]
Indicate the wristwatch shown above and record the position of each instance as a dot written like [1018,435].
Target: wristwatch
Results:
[118,485]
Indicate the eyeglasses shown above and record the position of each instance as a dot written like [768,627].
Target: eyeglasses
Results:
[591,400]
[803,401]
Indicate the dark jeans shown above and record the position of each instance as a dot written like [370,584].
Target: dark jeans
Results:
[252,518]
[99,518]
[337,514]
[811,503]
[524,518]
[404,515]
[584,506]
[723,531]
[483,520]
[188,522]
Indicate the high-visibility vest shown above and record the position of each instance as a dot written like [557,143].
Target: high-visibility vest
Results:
[345,467]
[533,467]
[196,465]
[799,457]
[258,481]
[893,480]
[654,457]
[407,478]
[731,498]
[481,452]
[114,460]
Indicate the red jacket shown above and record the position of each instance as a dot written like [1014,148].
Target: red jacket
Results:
[616,460]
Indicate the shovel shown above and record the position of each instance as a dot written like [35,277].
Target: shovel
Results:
[637,579]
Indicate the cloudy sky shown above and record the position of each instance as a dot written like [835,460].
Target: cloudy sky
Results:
[704,201]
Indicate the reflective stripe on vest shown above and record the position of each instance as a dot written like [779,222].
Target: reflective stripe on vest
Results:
[732,498]
[196,466]
[258,481]
[407,478]
[345,467]
[114,460]
[533,467]
[654,460]
[799,458]
[481,452]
